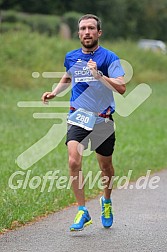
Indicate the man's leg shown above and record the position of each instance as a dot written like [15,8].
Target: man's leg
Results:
[105,163]
[75,162]
[106,166]
[82,218]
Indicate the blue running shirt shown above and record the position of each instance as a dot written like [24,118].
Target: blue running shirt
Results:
[87,92]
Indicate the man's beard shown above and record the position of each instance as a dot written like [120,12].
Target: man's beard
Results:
[93,44]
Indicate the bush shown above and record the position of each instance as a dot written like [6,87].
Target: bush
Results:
[7,26]
[48,24]
[9,16]
[71,18]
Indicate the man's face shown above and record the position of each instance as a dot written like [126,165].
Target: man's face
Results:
[88,33]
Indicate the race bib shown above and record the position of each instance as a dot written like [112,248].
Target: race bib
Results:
[82,118]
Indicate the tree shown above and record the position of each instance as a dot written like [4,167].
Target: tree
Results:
[121,18]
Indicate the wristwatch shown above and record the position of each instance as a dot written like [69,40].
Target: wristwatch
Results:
[99,73]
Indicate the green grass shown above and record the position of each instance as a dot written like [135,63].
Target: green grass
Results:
[141,137]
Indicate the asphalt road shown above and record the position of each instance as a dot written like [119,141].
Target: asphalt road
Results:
[140,225]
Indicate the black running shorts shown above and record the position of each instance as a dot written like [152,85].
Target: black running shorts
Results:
[102,137]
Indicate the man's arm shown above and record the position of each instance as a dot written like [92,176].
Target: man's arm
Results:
[115,84]
[63,84]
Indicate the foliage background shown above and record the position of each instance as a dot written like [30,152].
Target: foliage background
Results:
[121,18]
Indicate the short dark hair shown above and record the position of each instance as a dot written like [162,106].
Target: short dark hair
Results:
[89,16]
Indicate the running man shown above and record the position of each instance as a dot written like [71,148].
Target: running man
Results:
[94,73]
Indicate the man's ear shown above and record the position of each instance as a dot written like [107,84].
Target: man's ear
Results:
[99,33]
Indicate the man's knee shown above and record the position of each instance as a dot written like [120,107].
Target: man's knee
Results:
[105,163]
[74,164]
[106,167]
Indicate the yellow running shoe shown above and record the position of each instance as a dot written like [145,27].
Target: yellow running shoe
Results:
[81,220]
[106,212]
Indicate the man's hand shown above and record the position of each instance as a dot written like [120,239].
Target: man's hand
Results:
[93,69]
[46,96]
[92,65]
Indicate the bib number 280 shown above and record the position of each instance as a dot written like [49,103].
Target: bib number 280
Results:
[82,118]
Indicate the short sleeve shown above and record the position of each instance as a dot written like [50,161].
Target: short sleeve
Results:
[115,69]
[67,65]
